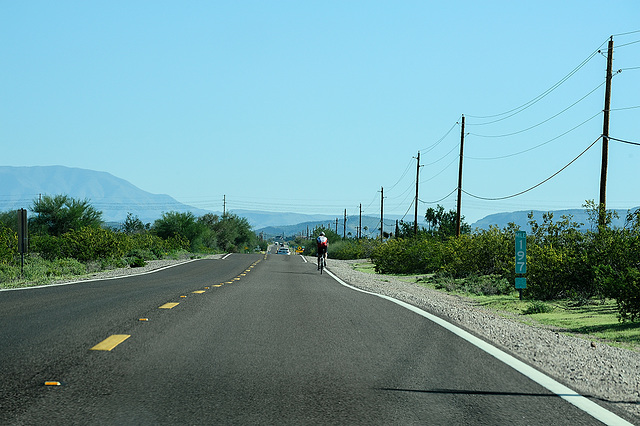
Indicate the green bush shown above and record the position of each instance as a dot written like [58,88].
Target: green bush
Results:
[415,255]
[136,262]
[351,249]
[624,287]
[482,285]
[8,245]
[65,267]
[537,307]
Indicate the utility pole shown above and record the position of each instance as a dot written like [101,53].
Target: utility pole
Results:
[360,223]
[459,206]
[602,208]
[381,213]
[415,224]
[224,205]
[344,225]
[336,225]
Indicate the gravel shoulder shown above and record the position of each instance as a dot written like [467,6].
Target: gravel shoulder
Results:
[595,370]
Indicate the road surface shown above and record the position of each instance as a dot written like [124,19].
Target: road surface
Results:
[250,339]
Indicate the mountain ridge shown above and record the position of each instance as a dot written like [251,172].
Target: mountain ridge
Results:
[116,197]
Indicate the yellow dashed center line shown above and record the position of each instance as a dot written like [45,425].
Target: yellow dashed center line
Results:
[110,342]
[199,292]
[169,305]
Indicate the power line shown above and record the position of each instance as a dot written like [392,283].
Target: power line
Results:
[407,212]
[444,156]
[624,108]
[440,172]
[426,150]
[623,141]
[441,199]
[543,94]
[537,185]
[537,146]
[621,34]
[627,44]
[403,175]
[544,121]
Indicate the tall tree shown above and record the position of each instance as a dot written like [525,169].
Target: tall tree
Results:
[58,214]
[443,223]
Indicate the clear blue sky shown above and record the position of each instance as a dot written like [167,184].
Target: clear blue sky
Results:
[313,106]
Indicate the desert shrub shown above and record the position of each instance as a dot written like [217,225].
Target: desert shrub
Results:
[8,245]
[136,262]
[48,247]
[8,272]
[537,307]
[351,249]
[66,266]
[624,287]
[405,256]
[89,243]
[487,285]
[482,285]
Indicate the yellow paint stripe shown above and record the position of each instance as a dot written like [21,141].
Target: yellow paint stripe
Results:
[198,292]
[229,282]
[169,305]
[219,285]
[110,342]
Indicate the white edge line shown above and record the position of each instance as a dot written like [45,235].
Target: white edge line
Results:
[225,256]
[99,279]
[569,395]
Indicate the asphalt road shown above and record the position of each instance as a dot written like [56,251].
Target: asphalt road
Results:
[276,343]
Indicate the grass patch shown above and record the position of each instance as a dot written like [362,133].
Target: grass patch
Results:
[366,267]
[594,320]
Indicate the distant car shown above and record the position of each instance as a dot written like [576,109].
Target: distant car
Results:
[284,250]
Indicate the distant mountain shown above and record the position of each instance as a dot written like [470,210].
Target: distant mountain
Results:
[521,218]
[262,219]
[371,223]
[115,197]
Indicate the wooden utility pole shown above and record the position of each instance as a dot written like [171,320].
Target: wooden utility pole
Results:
[602,208]
[360,223]
[336,225]
[344,225]
[459,206]
[381,214]
[224,205]
[415,223]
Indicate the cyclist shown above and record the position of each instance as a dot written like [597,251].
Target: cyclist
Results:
[323,243]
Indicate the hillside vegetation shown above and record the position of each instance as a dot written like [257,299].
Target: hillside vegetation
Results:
[67,237]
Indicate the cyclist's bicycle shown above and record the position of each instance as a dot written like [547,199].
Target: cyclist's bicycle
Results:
[321,262]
